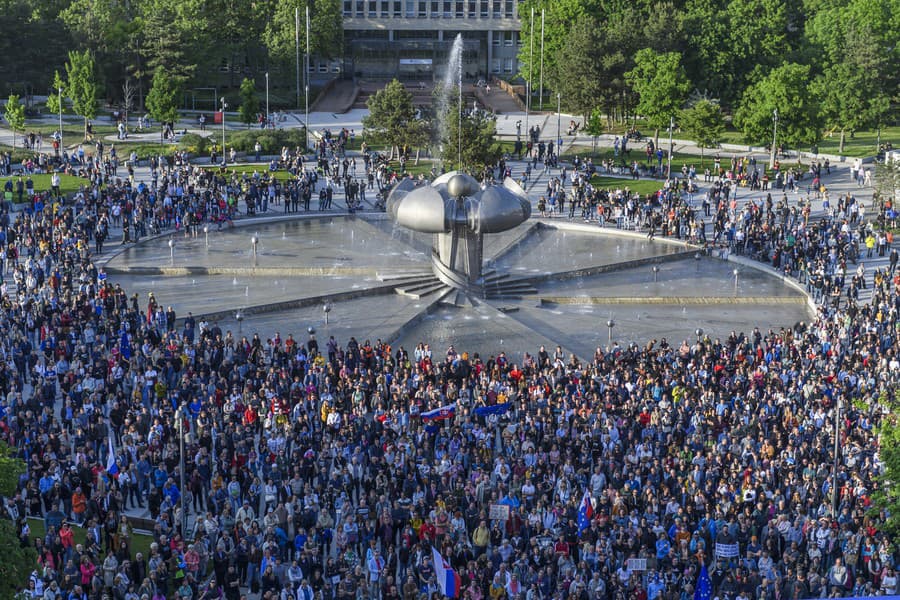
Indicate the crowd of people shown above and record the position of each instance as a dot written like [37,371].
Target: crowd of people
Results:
[321,469]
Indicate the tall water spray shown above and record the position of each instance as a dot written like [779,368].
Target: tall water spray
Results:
[452,77]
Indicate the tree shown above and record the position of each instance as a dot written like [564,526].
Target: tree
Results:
[54,96]
[326,31]
[162,101]
[786,89]
[392,118]
[887,496]
[582,80]
[174,32]
[249,108]
[477,148]
[14,113]
[18,562]
[703,123]
[661,83]
[83,88]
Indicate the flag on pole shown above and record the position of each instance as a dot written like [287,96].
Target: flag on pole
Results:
[585,512]
[493,409]
[111,467]
[439,414]
[448,580]
[703,591]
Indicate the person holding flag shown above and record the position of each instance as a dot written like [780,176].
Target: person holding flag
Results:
[112,468]
[449,582]
[703,590]
[585,512]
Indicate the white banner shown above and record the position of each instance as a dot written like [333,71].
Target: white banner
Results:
[727,550]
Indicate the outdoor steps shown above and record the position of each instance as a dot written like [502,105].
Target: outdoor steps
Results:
[419,288]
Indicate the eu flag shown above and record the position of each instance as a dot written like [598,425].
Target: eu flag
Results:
[703,591]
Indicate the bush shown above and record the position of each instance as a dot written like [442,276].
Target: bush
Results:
[271,140]
[194,144]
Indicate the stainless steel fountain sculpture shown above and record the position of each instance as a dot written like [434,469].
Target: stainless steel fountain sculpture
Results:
[458,211]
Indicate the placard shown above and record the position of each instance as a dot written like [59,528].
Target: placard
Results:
[499,512]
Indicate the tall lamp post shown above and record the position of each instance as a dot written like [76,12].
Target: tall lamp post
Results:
[224,156]
[774,138]
[671,147]
[179,415]
[267,100]
[558,124]
[837,454]
[609,327]
[61,147]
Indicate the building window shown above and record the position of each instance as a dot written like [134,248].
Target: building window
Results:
[507,65]
[508,38]
[398,11]
[435,9]
[348,8]
[360,8]
[508,12]
[373,8]
[495,38]
[518,40]
[423,8]
[473,8]
[459,8]
[495,9]
[448,9]
[484,8]
[410,8]
[496,66]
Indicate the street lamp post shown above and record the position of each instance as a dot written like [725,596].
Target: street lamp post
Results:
[609,327]
[61,147]
[267,100]
[558,123]
[224,156]
[671,147]
[206,233]
[179,415]
[655,273]
[239,317]
[172,250]
[326,309]
[699,333]
[837,451]
[697,258]
[772,154]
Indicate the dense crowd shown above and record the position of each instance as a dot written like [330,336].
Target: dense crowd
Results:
[311,472]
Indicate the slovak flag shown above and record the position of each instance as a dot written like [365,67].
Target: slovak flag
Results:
[448,580]
[111,467]
[439,414]
[585,512]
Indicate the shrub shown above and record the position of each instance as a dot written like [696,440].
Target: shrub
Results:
[195,144]
[271,140]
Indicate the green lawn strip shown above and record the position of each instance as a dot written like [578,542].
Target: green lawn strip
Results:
[641,186]
[249,169]
[139,542]
[68,184]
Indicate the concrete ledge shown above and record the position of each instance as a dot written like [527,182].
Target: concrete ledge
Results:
[676,300]
[610,268]
[752,264]
[246,271]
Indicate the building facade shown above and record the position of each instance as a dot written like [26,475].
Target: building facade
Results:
[411,39]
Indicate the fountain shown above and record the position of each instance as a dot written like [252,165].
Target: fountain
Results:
[452,77]
[458,212]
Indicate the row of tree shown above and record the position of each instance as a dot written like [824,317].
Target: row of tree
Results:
[823,65]
[194,41]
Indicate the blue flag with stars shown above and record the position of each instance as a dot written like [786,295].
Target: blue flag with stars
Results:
[703,591]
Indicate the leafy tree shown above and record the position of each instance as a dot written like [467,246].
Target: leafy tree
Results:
[661,83]
[54,96]
[703,123]
[479,147]
[249,108]
[326,30]
[853,47]
[757,38]
[582,79]
[14,113]
[392,118]
[887,496]
[18,562]
[174,31]
[83,87]
[162,101]
[786,89]
[708,60]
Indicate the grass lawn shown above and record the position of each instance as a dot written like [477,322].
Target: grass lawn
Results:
[260,168]
[68,184]
[72,132]
[641,186]
[139,543]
